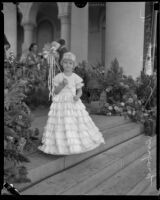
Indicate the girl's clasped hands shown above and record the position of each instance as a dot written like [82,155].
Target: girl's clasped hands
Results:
[64,83]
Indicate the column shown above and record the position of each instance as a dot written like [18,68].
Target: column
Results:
[28,35]
[10,25]
[65,29]
[125,35]
[79,32]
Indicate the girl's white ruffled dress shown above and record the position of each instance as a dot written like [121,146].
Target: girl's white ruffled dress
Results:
[69,129]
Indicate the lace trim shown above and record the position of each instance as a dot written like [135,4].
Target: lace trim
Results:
[47,143]
[67,151]
[72,126]
[56,116]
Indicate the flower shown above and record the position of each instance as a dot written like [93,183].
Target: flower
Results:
[10,138]
[116,108]
[130,100]
[124,97]
[122,104]
[128,107]
[106,104]
[135,96]
[145,114]
[126,86]
[129,112]
[134,112]
[110,108]
[121,84]
[109,89]
[20,116]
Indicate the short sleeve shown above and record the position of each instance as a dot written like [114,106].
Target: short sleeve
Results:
[79,82]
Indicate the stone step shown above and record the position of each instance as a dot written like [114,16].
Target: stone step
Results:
[88,174]
[43,165]
[124,180]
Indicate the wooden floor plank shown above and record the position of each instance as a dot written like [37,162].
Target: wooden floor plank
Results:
[151,188]
[124,180]
[140,187]
[72,177]
[39,158]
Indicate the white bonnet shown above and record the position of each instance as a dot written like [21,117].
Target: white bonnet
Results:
[69,56]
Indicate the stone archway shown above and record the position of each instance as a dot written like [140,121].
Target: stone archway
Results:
[45,33]
[48,24]
[30,20]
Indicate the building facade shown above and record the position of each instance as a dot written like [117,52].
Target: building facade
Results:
[97,33]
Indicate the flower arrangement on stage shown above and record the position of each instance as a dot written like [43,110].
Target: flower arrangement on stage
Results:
[134,99]
[144,108]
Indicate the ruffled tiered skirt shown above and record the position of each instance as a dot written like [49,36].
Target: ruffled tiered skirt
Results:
[69,128]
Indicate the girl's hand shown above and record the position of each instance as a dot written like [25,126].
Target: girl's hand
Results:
[65,81]
[75,98]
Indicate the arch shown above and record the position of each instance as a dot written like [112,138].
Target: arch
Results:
[30,10]
[48,24]
[45,33]
[25,9]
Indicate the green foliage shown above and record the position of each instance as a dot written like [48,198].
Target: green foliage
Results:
[14,155]
[36,76]
[17,121]
[37,92]
[114,74]
[147,89]
[117,84]
[82,71]
[135,99]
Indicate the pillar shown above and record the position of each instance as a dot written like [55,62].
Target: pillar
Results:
[79,32]
[28,34]
[65,29]
[10,25]
[125,35]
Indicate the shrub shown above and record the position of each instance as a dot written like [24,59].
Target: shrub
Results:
[17,123]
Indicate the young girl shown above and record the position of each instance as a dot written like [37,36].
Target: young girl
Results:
[69,129]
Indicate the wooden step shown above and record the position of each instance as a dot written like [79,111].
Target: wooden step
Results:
[142,185]
[124,180]
[82,188]
[89,173]
[151,188]
[43,165]
[101,121]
